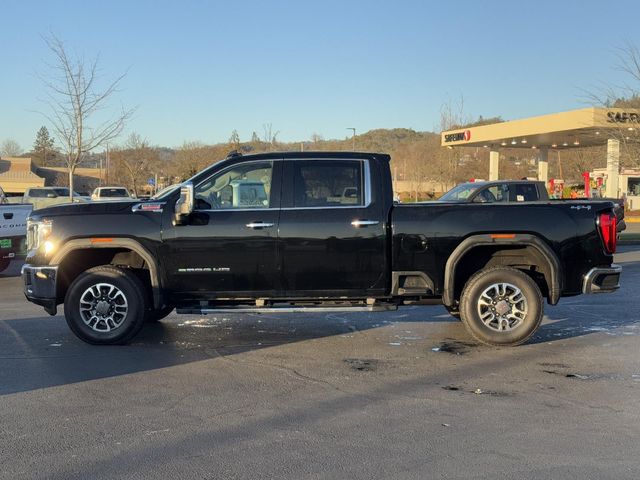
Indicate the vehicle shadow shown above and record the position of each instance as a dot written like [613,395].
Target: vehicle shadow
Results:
[13,270]
[39,352]
[42,352]
[587,314]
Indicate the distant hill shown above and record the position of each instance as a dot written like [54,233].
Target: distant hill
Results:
[379,140]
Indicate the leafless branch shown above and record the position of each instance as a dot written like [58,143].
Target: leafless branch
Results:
[73,97]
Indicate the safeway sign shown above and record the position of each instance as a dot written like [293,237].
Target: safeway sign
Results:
[458,136]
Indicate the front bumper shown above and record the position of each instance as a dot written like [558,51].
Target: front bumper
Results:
[602,279]
[40,286]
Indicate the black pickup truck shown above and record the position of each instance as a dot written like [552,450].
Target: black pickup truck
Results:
[290,232]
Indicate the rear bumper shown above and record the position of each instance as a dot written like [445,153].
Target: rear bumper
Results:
[602,279]
[40,286]
[10,247]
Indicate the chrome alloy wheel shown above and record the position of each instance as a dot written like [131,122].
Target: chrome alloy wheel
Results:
[103,307]
[502,307]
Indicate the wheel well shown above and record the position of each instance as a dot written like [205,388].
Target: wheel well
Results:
[525,258]
[77,261]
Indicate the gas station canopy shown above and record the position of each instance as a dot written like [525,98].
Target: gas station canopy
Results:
[586,127]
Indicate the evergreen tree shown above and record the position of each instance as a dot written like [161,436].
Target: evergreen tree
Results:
[43,144]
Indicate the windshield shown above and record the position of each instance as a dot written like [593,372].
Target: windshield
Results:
[114,192]
[460,193]
[64,192]
[165,191]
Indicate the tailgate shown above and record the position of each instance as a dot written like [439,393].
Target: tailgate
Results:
[13,220]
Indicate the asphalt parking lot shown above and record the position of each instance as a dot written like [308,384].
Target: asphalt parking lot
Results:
[404,394]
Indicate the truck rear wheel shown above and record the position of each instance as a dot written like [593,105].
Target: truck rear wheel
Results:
[105,305]
[501,306]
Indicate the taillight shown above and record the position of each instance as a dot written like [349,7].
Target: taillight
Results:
[607,222]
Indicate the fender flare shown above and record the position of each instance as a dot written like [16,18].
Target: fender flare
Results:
[555,282]
[133,245]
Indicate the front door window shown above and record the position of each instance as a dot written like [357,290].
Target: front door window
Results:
[244,186]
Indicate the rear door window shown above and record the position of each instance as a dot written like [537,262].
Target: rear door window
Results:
[328,183]
[526,192]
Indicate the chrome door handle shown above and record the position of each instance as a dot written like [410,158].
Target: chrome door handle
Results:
[259,225]
[364,223]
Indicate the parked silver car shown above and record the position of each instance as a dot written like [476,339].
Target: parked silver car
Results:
[42,197]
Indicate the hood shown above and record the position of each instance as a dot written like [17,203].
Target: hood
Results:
[85,208]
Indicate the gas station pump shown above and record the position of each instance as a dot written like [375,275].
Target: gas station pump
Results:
[556,186]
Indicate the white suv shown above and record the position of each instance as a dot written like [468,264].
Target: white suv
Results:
[111,193]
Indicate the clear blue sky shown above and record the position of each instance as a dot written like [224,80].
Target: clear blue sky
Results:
[199,69]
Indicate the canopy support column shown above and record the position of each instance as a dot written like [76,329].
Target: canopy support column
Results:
[543,164]
[494,165]
[613,167]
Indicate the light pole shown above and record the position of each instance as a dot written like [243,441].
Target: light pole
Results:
[353,138]
[107,162]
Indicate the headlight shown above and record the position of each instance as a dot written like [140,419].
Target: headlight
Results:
[37,234]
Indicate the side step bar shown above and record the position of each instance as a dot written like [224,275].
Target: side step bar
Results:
[285,309]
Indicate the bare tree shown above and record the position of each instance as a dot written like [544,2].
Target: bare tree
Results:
[74,98]
[452,116]
[10,148]
[190,158]
[624,94]
[269,137]
[135,161]
[234,140]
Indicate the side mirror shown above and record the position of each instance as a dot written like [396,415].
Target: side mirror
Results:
[184,205]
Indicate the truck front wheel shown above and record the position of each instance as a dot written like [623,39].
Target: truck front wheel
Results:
[105,305]
[501,306]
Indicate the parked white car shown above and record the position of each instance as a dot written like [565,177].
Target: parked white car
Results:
[111,193]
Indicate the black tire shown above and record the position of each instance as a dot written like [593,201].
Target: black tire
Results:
[4,264]
[123,326]
[522,318]
[154,315]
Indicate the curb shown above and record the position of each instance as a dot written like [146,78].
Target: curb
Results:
[629,239]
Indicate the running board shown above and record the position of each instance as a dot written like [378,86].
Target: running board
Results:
[286,309]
